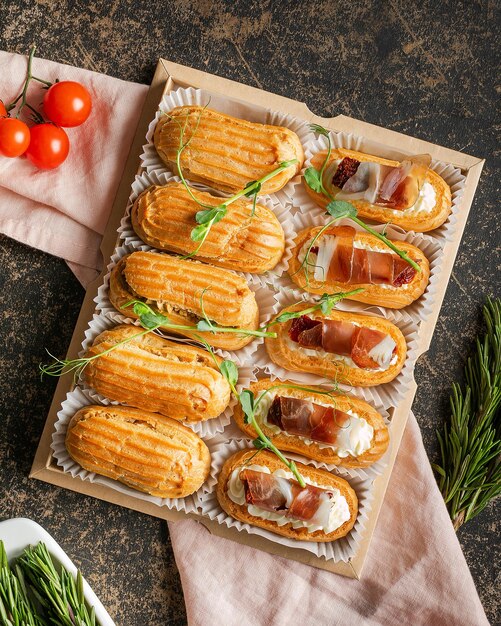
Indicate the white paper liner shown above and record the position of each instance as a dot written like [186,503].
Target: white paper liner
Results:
[420,308]
[151,161]
[264,298]
[205,429]
[283,214]
[77,399]
[340,550]
[451,174]
[385,395]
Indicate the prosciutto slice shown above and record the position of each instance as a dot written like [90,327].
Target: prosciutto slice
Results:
[307,419]
[282,495]
[339,261]
[395,187]
[344,339]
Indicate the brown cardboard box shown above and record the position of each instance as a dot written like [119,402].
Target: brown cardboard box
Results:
[170,75]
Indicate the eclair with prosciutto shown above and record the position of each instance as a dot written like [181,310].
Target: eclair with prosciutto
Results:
[258,489]
[342,258]
[335,429]
[408,193]
[351,348]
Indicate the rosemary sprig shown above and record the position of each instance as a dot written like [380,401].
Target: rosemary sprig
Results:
[469,474]
[58,593]
[339,209]
[325,305]
[210,215]
[16,608]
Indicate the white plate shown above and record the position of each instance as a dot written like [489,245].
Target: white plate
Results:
[19,533]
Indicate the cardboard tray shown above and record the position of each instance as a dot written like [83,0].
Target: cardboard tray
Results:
[170,75]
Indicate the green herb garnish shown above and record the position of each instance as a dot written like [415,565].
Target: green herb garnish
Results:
[339,209]
[325,305]
[210,215]
[469,474]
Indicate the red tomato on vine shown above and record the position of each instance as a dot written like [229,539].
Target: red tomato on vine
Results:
[14,137]
[67,103]
[49,146]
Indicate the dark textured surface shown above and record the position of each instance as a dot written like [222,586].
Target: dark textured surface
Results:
[426,69]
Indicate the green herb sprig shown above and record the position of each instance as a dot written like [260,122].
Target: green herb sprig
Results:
[325,304]
[150,320]
[210,215]
[469,474]
[60,595]
[339,209]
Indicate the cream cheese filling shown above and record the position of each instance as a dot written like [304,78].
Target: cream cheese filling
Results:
[332,513]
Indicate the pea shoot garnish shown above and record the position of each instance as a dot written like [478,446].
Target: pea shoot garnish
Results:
[150,320]
[210,215]
[325,305]
[339,209]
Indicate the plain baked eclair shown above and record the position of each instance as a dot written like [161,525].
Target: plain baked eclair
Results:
[151,373]
[146,451]
[178,288]
[226,152]
[164,216]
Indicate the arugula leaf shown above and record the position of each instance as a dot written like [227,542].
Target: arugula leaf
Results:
[202,217]
[230,371]
[141,309]
[339,209]
[313,179]
[247,401]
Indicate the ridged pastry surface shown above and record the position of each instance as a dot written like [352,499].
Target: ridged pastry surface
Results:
[182,283]
[143,450]
[157,375]
[225,152]
[227,296]
[164,216]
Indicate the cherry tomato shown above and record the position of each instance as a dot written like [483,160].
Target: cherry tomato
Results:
[14,137]
[3,110]
[49,146]
[67,103]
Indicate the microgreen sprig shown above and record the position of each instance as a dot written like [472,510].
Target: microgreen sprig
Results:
[339,209]
[210,215]
[325,305]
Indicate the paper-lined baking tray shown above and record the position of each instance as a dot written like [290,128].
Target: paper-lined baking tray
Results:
[168,78]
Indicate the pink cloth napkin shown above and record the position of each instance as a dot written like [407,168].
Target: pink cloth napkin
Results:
[415,572]
[64,211]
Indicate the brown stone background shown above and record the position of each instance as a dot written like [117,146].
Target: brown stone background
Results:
[423,68]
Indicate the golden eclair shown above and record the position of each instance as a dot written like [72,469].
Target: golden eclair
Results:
[432,213]
[397,284]
[175,287]
[327,515]
[338,429]
[225,152]
[164,216]
[154,374]
[354,349]
[145,451]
